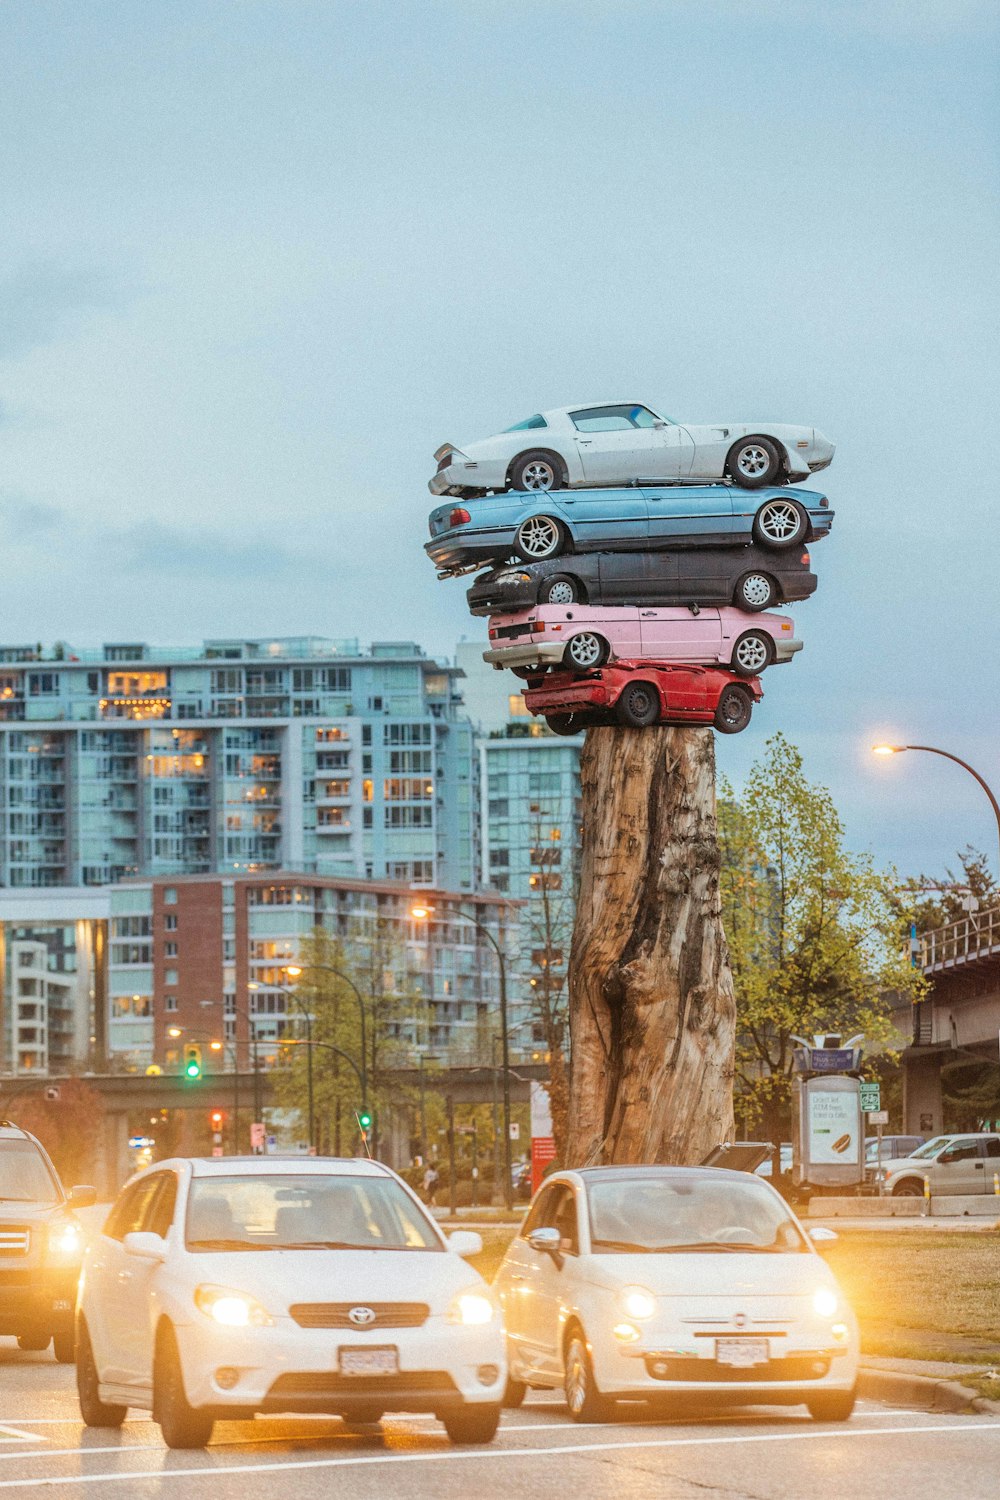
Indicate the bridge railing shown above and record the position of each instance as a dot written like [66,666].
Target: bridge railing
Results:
[973,937]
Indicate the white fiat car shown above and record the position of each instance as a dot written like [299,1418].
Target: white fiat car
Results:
[621,442]
[226,1288]
[639,1283]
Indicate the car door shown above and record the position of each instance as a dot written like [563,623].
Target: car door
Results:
[692,513]
[637,577]
[516,1282]
[679,635]
[617,518]
[991,1150]
[959,1168]
[708,574]
[550,1284]
[107,1272]
[155,1214]
[620,443]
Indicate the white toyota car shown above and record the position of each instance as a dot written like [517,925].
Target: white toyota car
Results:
[227,1288]
[641,1283]
[625,442]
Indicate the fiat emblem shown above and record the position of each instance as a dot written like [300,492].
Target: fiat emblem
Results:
[740,1320]
[361,1317]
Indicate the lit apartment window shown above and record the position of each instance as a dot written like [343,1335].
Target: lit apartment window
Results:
[170,896]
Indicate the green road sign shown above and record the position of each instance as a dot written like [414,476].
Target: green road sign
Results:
[871,1097]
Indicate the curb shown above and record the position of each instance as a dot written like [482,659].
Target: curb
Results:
[921,1390]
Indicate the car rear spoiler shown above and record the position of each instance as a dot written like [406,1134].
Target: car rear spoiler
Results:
[739,1156]
[446,448]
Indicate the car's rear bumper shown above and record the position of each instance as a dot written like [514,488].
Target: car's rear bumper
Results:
[785,650]
[460,548]
[544,654]
[820,522]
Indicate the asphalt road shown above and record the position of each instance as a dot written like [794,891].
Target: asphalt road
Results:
[751,1455]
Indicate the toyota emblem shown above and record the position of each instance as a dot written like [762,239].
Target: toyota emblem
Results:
[362,1317]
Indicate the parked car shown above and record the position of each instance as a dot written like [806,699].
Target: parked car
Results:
[893,1148]
[622,441]
[953,1163]
[621,520]
[41,1245]
[645,1282]
[638,693]
[587,636]
[225,1288]
[749,578]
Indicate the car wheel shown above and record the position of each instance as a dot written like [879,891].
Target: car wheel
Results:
[753,651]
[514,1393]
[780,524]
[181,1425]
[536,471]
[753,462]
[94,1411]
[734,710]
[909,1189]
[755,591]
[539,537]
[472,1424]
[638,705]
[64,1347]
[561,589]
[564,723]
[831,1406]
[586,651]
[33,1343]
[585,1402]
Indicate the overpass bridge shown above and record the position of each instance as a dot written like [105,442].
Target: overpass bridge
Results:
[959,1022]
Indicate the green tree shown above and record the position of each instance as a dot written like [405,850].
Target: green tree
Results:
[817,935]
[944,900]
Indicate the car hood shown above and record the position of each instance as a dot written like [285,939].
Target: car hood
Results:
[30,1213]
[710,1276]
[278,1278]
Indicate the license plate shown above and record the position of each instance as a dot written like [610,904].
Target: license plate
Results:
[742,1354]
[382,1360]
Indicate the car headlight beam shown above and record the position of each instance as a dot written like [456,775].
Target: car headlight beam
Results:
[825,1301]
[473,1309]
[637,1302]
[65,1241]
[231,1308]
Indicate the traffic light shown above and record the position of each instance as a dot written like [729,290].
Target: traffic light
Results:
[192,1060]
[217,1118]
[364,1120]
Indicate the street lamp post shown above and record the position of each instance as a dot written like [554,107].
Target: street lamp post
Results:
[947,755]
[422,914]
[295,970]
[292,1041]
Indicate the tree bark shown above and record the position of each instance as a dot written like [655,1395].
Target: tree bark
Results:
[652,1007]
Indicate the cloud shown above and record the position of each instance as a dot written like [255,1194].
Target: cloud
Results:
[42,302]
[22,520]
[175,550]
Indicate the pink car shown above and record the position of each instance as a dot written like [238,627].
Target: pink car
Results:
[582,637]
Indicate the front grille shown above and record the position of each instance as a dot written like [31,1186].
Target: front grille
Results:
[796,1367]
[323,1383]
[337,1315]
[510,632]
[15,1239]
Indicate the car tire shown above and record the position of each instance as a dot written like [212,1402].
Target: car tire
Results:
[564,723]
[94,1411]
[514,1394]
[831,1406]
[470,1425]
[537,470]
[734,709]
[539,537]
[33,1343]
[181,1424]
[561,589]
[754,592]
[64,1347]
[638,705]
[586,652]
[753,462]
[584,1400]
[909,1188]
[780,524]
[752,652]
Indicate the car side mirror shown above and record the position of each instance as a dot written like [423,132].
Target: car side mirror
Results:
[145,1245]
[465,1242]
[547,1241]
[81,1196]
[822,1238]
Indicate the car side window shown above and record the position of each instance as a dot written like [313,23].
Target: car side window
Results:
[127,1213]
[158,1210]
[564,1219]
[993,1146]
[603,419]
[538,1217]
[960,1151]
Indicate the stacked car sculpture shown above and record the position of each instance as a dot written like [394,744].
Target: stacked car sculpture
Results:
[629,559]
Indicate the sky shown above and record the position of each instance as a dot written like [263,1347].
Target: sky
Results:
[259,259]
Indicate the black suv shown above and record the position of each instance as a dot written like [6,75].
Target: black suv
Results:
[41,1245]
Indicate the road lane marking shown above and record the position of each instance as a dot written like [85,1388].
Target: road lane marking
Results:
[15,1435]
[816,1433]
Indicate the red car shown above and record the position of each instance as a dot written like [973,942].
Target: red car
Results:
[638,693]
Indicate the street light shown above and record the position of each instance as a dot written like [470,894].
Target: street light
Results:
[295,971]
[933,750]
[253,985]
[423,913]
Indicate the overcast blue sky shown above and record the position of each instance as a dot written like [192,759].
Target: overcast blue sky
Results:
[259,259]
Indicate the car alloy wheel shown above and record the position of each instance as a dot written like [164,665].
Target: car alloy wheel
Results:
[755,591]
[586,651]
[537,471]
[754,462]
[751,654]
[585,1402]
[780,523]
[539,537]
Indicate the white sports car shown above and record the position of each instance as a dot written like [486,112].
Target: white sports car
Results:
[578,447]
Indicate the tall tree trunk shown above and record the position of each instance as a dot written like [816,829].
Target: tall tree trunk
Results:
[652,1008]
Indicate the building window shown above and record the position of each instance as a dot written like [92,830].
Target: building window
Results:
[170,896]
[170,1002]
[170,977]
[170,923]
[170,950]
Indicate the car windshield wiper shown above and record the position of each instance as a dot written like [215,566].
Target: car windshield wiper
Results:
[326,1245]
[628,1246]
[725,1246]
[224,1245]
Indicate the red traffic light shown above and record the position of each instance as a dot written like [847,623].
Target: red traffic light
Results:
[217,1117]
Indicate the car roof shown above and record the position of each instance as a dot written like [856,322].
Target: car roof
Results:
[292,1166]
[562,411]
[9,1131]
[590,1175]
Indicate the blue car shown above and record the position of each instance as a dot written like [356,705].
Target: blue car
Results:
[537,526]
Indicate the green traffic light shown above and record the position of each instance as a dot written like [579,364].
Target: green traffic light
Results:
[364,1119]
[193,1070]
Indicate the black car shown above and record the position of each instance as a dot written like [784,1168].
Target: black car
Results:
[41,1245]
[749,577]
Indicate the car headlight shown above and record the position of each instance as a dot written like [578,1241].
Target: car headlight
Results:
[65,1241]
[473,1309]
[636,1302]
[825,1301]
[232,1309]
[512,578]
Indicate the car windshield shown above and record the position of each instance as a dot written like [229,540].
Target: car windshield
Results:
[24,1176]
[635,1215]
[528,424]
[314,1211]
[931,1148]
